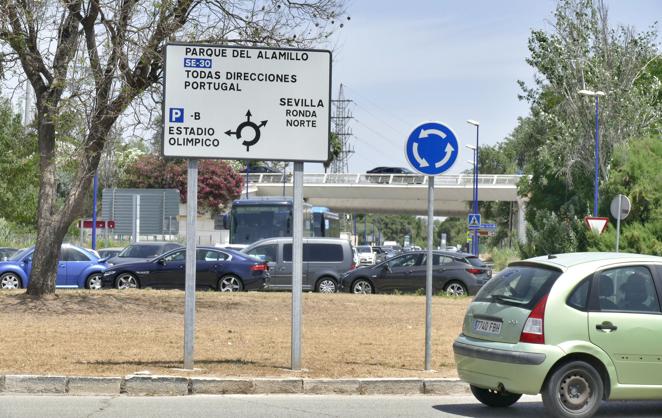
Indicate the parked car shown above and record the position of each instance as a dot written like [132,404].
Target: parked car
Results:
[235,247]
[143,251]
[77,268]
[324,262]
[6,252]
[110,252]
[408,272]
[391,250]
[260,169]
[480,267]
[366,254]
[577,328]
[389,170]
[220,269]
[380,254]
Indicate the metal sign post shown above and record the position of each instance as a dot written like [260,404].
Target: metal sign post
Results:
[297,264]
[430,149]
[189,289]
[428,277]
[618,224]
[135,222]
[620,209]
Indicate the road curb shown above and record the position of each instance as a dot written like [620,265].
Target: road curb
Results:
[151,385]
[155,386]
[332,386]
[84,385]
[377,386]
[24,383]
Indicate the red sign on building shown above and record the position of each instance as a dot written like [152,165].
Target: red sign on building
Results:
[101,224]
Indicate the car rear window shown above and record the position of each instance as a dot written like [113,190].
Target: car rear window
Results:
[476,262]
[519,285]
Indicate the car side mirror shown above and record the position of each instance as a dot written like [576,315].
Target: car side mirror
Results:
[161,261]
[387,268]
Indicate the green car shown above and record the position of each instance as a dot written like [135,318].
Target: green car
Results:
[576,328]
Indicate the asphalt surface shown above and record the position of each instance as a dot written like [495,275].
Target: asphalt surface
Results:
[290,406]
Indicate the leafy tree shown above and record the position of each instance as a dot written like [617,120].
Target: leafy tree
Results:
[96,58]
[554,145]
[635,173]
[18,169]
[336,150]
[218,183]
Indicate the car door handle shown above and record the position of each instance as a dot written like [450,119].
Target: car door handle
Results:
[606,327]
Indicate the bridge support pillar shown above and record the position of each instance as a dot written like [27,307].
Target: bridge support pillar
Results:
[521,219]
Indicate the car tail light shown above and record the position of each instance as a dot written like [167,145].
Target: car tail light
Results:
[352,266]
[475,271]
[534,327]
[259,267]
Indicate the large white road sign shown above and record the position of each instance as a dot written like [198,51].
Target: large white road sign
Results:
[246,103]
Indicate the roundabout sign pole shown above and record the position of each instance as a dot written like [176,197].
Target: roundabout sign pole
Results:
[431,149]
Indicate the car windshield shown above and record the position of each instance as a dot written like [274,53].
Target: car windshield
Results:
[518,285]
[19,254]
[141,251]
[362,249]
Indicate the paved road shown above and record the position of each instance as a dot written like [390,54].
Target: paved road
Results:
[289,406]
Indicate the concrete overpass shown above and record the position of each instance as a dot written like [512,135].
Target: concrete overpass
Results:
[393,193]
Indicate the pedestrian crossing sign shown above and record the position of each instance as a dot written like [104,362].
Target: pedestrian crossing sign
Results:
[474,220]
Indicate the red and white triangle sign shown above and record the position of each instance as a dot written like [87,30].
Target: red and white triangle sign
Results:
[596,224]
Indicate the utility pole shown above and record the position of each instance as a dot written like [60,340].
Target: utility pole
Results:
[340,116]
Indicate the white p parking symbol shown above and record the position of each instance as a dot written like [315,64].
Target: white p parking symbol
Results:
[176,115]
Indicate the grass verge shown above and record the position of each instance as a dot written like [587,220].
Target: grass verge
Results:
[247,334]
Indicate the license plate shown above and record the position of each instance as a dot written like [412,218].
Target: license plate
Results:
[487,327]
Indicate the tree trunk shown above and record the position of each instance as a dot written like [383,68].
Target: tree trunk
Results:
[49,234]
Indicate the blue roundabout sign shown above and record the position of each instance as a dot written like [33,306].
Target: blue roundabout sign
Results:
[431,148]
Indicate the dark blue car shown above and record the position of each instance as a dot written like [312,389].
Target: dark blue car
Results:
[221,269]
[77,268]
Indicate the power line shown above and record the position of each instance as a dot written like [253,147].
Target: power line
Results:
[394,115]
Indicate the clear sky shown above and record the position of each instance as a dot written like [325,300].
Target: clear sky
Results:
[404,62]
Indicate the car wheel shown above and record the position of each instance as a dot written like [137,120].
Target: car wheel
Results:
[230,283]
[455,288]
[93,281]
[495,398]
[362,287]
[326,285]
[10,281]
[126,281]
[573,391]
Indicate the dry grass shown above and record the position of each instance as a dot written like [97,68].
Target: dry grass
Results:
[247,334]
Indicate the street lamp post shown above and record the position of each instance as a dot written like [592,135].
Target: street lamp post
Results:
[595,94]
[475,243]
[473,188]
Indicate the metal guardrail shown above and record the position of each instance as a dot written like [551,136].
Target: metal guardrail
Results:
[386,179]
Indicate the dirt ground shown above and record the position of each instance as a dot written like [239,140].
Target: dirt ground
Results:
[247,334]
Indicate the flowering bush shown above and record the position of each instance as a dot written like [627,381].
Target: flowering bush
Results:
[218,183]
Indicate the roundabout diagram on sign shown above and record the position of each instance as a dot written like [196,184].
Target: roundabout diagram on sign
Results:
[431,148]
[248,123]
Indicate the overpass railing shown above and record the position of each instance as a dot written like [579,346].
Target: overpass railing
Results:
[386,179]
